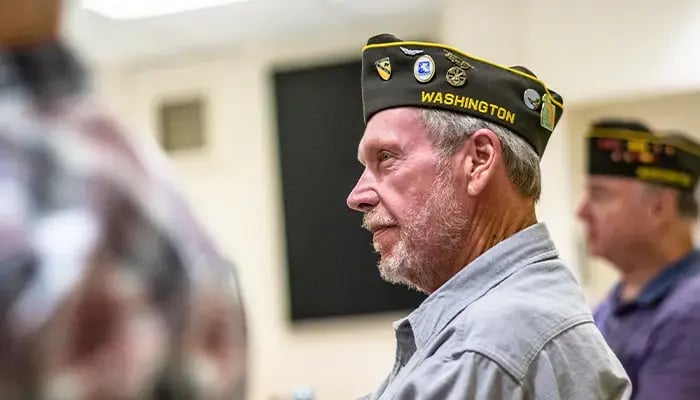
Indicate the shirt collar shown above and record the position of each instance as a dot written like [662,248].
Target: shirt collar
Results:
[660,286]
[528,246]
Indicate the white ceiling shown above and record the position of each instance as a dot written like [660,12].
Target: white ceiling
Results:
[110,42]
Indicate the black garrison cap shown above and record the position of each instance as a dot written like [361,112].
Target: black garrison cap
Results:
[629,148]
[398,73]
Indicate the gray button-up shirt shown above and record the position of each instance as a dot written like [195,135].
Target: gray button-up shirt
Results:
[513,324]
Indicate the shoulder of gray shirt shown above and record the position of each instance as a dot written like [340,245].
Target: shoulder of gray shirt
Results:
[517,318]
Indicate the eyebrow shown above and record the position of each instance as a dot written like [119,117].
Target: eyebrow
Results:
[360,153]
[370,146]
[598,188]
[359,157]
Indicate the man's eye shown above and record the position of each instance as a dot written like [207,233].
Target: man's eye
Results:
[384,156]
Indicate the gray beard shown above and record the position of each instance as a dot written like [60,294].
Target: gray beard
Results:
[429,242]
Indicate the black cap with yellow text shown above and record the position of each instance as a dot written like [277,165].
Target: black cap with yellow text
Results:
[398,73]
[629,148]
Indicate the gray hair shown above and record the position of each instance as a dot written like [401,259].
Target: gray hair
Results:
[686,201]
[450,130]
[687,205]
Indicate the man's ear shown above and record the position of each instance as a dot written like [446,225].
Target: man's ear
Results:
[482,153]
[663,203]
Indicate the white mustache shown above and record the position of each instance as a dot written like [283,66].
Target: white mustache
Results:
[373,220]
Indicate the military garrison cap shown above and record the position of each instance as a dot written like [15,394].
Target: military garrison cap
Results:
[629,148]
[397,73]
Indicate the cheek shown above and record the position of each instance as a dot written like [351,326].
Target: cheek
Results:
[619,222]
[607,215]
[602,220]
[633,224]
[403,202]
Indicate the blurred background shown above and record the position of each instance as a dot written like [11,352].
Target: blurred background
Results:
[257,103]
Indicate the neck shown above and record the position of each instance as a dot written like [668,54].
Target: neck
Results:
[490,225]
[640,265]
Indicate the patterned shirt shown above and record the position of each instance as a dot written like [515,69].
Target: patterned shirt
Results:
[108,286]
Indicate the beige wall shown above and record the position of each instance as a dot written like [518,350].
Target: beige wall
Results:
[234,183]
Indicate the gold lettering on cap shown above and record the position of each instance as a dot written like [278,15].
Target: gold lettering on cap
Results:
[481,106]
[665,175]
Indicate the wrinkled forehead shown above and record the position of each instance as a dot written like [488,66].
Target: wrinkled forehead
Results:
[397,127]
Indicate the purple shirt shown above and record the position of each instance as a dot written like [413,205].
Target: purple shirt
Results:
[657,335]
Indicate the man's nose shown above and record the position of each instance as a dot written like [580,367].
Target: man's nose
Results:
[363,196]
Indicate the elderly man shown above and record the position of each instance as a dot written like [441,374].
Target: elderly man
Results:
[109,288]
[451,153]
[639,210]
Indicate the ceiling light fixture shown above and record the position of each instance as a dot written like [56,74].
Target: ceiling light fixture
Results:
[139,9]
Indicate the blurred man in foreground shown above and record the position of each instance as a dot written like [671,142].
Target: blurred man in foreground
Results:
[109,289]
[639,211]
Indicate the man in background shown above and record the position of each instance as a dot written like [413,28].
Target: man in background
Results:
[451,153]
[639,212]
[108,286]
